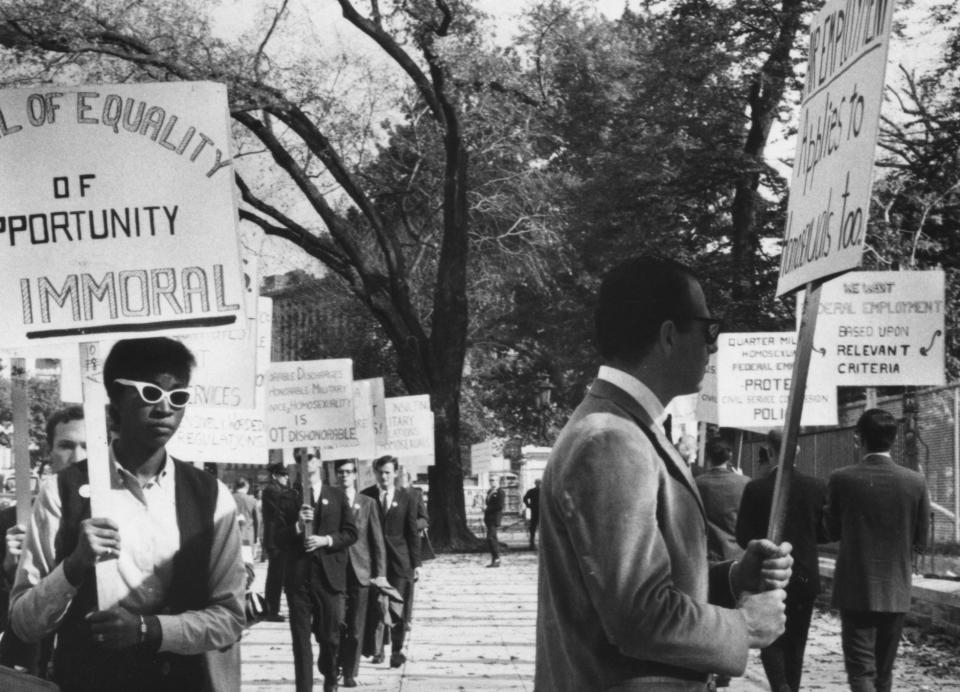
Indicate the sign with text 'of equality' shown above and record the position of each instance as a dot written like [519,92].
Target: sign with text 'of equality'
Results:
[117,212]
[881,329]
[754,373]
[230,434]
[409,431]
[310,404]
[839,116]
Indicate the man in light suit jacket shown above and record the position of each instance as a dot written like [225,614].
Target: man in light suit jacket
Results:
[720,488]
[624,579]
[315,577]
[367,562]
[879,512]
[803,528]
[398,512]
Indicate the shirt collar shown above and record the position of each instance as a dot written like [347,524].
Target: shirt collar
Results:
[120,475]
[636,389]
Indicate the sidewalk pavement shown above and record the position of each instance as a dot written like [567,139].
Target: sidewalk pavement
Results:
[473,628]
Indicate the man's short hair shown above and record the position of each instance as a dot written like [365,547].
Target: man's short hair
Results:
[380,462]
[63,415]
[141,359]
[877,429]
[775,439]
[277,469]
[635,298]
[241,483]
[717,451]
[342,462]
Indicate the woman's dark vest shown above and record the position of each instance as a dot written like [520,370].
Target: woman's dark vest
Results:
[81,664]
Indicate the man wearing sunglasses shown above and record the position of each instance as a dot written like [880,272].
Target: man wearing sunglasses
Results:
[627,599]
[172,529]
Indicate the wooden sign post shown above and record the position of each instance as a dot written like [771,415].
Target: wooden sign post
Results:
[21,437]
[798,386]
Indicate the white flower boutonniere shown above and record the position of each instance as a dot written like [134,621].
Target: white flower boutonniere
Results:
[324,502]
[393,504]
[84,490]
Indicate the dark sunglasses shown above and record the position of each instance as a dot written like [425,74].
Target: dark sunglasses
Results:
[711,331]
[152,394]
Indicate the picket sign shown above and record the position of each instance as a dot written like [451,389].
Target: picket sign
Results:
[21,437]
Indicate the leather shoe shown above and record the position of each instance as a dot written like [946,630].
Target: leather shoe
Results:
[329,686]
[349,682]
[378,658]
[397,659]
[274,618]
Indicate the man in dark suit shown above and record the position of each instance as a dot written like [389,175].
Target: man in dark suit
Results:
[316,541]
[804,528]
[720,488]
[531,500]
[366,563]
[879,513]
[492,516]
[398,511]
[626,598]
[278,500]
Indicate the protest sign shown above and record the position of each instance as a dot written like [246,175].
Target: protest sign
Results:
[231,434]
[707,396]
[881,329]
[125,219]
[369,418]
[409,431]
[754,380]
[833,168]
[310,404]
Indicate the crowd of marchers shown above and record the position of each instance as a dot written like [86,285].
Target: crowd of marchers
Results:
[181,547]
[649,579]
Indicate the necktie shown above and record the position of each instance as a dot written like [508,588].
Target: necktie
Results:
[383,500]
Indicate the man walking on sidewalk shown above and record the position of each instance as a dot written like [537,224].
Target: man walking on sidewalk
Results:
[278,500]
[366,563]
[623,573]
[531,500]
[398,512]
[316,540]
[879,513]
[492,517]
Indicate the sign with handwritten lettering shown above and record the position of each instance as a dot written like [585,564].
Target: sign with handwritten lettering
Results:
[409,431]
[310,404]
[836,138]
[754,377]
[118,212]
[881,329]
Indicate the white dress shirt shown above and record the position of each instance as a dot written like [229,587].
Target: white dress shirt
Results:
[149,538]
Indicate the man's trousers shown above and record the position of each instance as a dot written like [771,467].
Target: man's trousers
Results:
[317,611]
[870,642]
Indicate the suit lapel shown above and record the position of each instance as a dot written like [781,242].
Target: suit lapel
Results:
[674,463]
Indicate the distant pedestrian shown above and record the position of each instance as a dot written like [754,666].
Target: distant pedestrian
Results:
[398,514]
[803,528]
[278,499]
[879,513]
[721,488]
[366,565]
[531,500]
[316,540]
[492,518]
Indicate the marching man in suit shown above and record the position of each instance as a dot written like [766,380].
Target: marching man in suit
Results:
[366,563]
[804,528]
[878,511]
[315,577]
[492,517]
[398,511]
[626,597]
